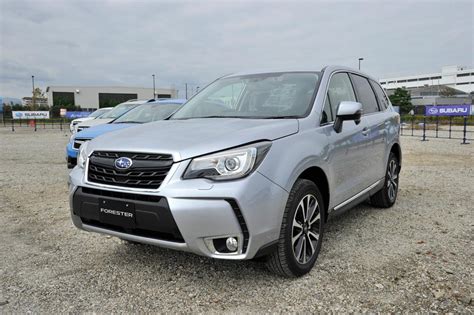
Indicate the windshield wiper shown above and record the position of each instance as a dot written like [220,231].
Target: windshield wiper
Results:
[241,117]
[212,116]
[281,117]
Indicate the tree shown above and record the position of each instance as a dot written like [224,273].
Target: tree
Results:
[8,108]
[37,93]
[401,97]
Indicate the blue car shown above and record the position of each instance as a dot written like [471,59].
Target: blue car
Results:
[141,114]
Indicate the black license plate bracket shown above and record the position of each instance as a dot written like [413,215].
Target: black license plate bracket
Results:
[117,213]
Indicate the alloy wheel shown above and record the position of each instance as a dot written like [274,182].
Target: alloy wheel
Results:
[305,229]
[392,180]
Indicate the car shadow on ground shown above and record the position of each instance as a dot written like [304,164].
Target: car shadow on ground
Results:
[172,263]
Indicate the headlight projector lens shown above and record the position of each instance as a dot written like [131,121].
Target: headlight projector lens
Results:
[232,164]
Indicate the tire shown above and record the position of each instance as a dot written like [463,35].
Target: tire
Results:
[295,259]
[386,197]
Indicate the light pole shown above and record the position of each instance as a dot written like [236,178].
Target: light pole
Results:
[154,91]
[33,98]
[360,59]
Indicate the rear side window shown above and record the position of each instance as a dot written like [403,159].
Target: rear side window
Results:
[365,94]
[340,90]
[381,96]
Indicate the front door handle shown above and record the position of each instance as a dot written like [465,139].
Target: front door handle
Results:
[365,131]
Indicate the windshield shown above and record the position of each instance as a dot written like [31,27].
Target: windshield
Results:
[267,95]
[99,112]
[148,113]
[118,110]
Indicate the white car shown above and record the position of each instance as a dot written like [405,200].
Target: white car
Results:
[93,115]
[116,112]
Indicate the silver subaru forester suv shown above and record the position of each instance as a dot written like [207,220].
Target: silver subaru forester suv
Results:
[249,167]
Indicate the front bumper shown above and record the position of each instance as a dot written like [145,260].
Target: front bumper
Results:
[249,209]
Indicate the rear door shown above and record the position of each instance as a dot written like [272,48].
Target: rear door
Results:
[375,124]
[346,153]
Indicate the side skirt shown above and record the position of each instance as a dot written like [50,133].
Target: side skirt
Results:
[358,198]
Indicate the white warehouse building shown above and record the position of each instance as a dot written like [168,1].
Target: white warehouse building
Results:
[92,97]
[456,77]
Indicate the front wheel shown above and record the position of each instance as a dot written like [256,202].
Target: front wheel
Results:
[301,231]
[386,197]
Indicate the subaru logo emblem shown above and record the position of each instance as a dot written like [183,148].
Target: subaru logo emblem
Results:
[123,163]
[433,110]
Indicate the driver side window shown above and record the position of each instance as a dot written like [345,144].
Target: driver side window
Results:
[339,90]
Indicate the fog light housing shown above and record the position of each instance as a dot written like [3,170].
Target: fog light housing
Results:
[231,244]
[227,245]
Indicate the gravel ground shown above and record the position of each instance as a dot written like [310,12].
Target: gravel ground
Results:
[416,256]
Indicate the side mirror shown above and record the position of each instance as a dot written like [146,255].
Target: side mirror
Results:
[347,111]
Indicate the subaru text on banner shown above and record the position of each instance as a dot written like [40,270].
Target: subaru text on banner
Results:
[249,167]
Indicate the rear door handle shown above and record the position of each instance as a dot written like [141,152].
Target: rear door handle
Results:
[365,131]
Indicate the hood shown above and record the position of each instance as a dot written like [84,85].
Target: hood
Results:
[189,138]
[95,131]
[79,120]
[95,122]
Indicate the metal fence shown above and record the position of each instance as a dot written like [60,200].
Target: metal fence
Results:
[461,128]
[35,124]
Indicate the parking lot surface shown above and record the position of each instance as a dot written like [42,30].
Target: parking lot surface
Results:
[415,256]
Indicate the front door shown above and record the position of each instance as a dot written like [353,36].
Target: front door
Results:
[346,156]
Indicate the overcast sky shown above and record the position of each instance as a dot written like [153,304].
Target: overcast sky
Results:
[121,43]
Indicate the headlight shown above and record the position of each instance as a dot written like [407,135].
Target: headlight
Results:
[229,164]
[82,157]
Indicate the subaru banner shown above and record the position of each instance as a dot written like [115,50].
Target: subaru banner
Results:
[74,115]
[447,110]
[30,114]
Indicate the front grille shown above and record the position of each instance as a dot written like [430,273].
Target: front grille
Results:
[78,142]
[147,171]
[82,128]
